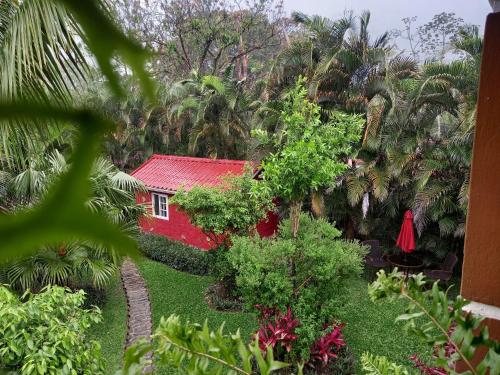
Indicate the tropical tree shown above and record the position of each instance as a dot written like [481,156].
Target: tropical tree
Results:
[73,263]
[417,147]
[338,58]
[309,154]
[41,60]
[219,111]
[208,37]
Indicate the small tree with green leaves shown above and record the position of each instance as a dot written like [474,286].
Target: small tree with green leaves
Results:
[233,207]
[309,154]
[45,333]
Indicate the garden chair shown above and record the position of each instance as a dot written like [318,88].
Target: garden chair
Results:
[445,270]
[375,257]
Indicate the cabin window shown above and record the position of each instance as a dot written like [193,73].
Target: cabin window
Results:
[160,205]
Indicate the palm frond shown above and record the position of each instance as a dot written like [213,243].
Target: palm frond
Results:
[40,60]
[124,181]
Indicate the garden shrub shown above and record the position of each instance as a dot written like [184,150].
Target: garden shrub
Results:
[175,254]
[329,353]
[307,274]
[45,333]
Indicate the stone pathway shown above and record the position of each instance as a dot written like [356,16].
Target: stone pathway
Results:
[139,322]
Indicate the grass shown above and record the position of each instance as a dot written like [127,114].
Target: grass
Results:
[174,292]
[371,327]
[112,330]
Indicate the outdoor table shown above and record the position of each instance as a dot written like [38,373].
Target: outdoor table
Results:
[405,262]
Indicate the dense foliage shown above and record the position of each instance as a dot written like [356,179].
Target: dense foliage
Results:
[45,333]
[441,322]
[235,206]
[196,349]
[174,254]
[72,263]
[41,99]
[306,274]
[309,154]
[415,154]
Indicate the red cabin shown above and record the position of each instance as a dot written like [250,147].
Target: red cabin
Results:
[163,175]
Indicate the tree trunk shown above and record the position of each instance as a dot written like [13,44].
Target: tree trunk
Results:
[351,229]
[295,207]
[318,204]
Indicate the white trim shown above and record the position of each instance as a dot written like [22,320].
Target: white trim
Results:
[487,311]
[159,210]
[161,191]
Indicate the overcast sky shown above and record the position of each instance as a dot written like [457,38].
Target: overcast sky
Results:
[387,14]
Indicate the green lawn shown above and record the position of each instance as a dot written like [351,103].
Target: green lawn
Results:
[174,292]
[369,326]
[112,330]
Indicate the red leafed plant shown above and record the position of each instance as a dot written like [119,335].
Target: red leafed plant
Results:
[425,369]
[327,346]
[449,349]
[279,333]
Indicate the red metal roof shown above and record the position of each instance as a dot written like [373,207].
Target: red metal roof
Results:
[169,172]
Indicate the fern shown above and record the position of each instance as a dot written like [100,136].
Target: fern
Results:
[379,365]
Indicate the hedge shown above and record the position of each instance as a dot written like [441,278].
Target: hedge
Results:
[174,254]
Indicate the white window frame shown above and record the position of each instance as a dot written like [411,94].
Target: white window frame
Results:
[160,209]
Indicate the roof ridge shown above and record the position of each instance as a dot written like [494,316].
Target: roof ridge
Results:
[197,159]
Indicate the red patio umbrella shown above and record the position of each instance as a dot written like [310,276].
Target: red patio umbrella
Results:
[406,238]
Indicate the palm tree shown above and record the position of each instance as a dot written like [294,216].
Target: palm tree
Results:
[72,264]
[338,58]
[417,146]
[219,110]
[40,60]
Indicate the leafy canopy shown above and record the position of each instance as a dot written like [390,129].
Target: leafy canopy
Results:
[45,333]
[308,152]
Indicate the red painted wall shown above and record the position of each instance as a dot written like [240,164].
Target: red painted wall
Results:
[179,228]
